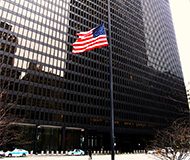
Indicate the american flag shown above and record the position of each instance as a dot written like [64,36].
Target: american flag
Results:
[91,39]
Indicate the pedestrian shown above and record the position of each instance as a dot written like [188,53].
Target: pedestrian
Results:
[145,150]
[90,154]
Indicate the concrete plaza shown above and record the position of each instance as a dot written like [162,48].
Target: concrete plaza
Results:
[94,157]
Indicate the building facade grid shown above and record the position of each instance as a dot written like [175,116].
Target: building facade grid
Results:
[65,96]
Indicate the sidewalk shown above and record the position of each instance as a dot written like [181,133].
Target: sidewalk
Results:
[94,157]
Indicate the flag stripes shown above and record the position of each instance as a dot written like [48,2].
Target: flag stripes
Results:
[88,41]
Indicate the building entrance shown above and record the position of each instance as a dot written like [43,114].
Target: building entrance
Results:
[74,139]
[48,139]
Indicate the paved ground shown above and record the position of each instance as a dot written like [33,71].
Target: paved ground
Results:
[94,157]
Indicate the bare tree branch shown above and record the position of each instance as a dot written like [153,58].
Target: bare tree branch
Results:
[174,140]
[8,120]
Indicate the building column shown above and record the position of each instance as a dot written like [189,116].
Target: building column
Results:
[63,138]
[85,141]
[36,138]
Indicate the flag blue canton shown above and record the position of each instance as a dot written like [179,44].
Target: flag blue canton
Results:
[99,31]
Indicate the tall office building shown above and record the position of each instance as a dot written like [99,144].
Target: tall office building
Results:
[65,97]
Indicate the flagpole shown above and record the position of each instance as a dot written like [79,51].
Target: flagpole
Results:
[111,84]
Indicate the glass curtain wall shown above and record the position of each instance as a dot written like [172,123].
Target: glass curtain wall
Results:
[49,85]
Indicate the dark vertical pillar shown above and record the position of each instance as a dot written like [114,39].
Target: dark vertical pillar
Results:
[85,140]
[63,138]
[36,139]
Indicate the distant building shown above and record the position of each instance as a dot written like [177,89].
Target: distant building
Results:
[188,92]
[65,97]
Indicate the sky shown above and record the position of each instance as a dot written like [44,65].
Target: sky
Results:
[180,10]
